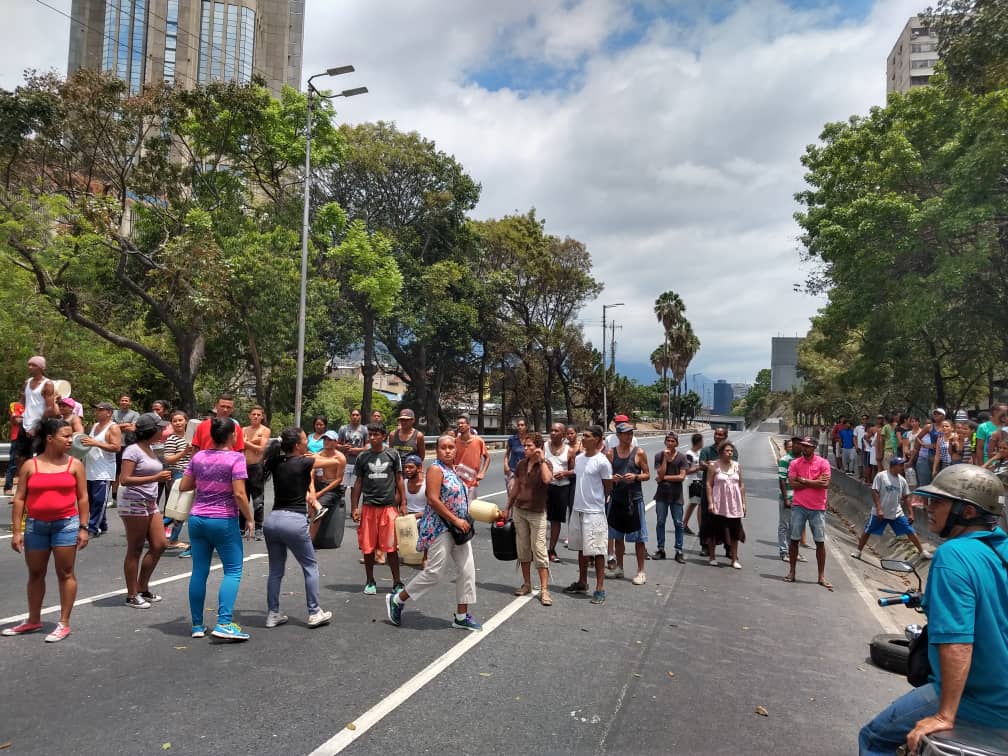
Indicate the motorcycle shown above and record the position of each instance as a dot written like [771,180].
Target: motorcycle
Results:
[962,740]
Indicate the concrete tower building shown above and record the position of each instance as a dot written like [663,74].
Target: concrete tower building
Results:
[186,42]
[913,57]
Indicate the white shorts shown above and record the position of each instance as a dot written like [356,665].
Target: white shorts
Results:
[588,532]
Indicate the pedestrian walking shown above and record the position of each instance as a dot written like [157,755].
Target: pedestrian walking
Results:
[217,475]
[138,509]
[52,490]
[526,506]
[286,528]
[891,496]
[444,523]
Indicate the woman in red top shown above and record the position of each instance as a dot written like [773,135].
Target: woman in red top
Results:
[53,488]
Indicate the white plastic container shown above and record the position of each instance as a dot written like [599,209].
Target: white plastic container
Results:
[407,535]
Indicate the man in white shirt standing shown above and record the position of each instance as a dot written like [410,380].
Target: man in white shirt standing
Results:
[859,431]
[588,528]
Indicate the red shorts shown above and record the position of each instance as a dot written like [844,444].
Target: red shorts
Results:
[377,529]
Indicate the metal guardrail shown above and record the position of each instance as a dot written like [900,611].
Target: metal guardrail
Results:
[5,452]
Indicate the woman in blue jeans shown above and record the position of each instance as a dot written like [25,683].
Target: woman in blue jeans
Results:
[286,527]
[218,477]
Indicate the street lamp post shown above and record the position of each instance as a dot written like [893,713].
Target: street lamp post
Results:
[605,371]
[299,384]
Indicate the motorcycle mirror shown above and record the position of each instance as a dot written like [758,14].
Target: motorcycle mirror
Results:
[896,565]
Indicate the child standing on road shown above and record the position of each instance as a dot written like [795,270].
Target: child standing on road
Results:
[891,493]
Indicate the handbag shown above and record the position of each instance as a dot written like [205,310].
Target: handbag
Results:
[918,664]
[457,533]
[623,514]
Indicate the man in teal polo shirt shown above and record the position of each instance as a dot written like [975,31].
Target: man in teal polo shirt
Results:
[966,602]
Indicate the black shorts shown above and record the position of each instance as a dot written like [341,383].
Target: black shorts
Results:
[557,498]
[22,446]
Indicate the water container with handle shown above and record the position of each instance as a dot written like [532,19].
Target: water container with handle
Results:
[484,511]
[407,536]
[503,538]
[179,503]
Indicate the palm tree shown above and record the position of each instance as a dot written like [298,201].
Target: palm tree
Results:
[671,313]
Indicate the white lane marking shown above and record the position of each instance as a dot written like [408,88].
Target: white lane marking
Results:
[120,592]
[885,619]
[9,535]
[400,695]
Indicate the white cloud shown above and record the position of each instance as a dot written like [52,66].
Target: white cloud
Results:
[675,159]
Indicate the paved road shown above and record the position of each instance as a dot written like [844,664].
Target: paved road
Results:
[676,666]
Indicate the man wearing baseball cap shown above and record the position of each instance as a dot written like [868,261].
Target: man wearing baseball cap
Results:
[891,495]
[966,602]
[408,440]
[809,478]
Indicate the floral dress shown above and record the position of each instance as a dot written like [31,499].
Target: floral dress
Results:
[453,496]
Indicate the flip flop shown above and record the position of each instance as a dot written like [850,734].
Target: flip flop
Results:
[826,584]
[789,578]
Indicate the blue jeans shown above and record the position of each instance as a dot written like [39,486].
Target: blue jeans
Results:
[207,534]
[662,510]
[286,529]
[98,496]
[11,470]
[783,526]
[176,530]
[889,730]
[923,470]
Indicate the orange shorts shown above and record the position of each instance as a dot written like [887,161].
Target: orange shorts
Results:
[376,529]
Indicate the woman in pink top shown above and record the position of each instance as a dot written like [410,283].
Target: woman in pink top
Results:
[726,504]
[52,487]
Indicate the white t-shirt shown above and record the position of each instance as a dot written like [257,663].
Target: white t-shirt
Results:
[693,458]
[589,492]
[891,490]
[858,437]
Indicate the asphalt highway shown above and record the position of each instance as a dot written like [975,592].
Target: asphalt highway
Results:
[678,665]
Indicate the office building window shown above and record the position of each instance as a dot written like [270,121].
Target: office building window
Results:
[227,42]
[124,46]
[171,41]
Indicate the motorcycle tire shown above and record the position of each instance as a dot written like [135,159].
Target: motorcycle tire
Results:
[890,652]
[330,533]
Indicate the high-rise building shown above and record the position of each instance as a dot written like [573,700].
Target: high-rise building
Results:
[784,362]
[913,57]
[722,397]
[185,42]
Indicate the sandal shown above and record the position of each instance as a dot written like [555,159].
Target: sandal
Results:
[826,584]
[545,599]
[789,578]
[523,590]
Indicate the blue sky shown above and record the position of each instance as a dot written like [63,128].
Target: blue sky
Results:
[666,136]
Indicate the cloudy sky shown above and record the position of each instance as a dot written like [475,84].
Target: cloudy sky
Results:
[665,134]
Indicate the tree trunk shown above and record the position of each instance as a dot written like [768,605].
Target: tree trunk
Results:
[368,368]
[568,400]
[482,380]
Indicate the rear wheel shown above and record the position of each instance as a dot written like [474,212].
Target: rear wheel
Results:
[890,652]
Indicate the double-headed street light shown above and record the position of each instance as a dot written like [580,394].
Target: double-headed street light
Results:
[299,385]
[605,372]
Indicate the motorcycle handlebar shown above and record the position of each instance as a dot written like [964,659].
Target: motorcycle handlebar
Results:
[886,601]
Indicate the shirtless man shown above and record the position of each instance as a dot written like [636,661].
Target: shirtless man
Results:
[329,487]
[257,437]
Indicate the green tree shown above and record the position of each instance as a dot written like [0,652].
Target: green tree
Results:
[334,398]
[401,185]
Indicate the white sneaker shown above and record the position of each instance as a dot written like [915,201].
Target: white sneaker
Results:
[737,565]
[855,554]
[639,579]
[275,618]
[926,554]
[712,562]
[319,618]
[615,573]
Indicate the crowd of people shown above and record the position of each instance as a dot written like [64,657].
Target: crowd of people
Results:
[69,475]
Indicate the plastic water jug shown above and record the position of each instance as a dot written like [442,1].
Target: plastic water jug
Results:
[407,535]
[179,503]
[484,511]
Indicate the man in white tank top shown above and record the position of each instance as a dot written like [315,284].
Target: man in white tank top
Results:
[416,485]
[39,403]
[105,440]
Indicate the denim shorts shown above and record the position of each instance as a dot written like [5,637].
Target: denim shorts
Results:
[877,525]
[41,535]
[816,519]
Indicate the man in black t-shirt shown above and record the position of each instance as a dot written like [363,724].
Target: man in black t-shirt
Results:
[670,471]
[378,478]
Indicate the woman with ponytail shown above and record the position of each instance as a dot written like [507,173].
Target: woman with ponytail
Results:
[286,527]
